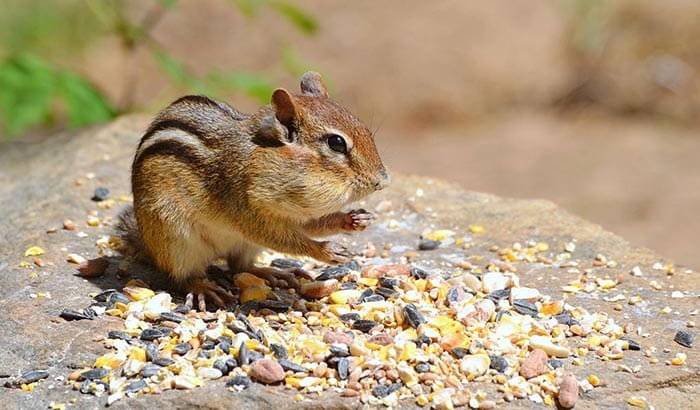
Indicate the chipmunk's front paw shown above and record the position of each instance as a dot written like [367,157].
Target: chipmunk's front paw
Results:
[357,220]
[335,253]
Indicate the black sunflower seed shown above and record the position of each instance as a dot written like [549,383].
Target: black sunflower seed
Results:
[173,317]
[419,273]
[231,363]
[365,294]
[684,338]
[225,345]
[335,272]
[280,351]
[525,307]
[32,376]
[208,345]
[149,369]
[343,368]
[135,386]
[364,325]
[352,265]
[182,348]
[287,365]
[387,293]
[243,354]
[348,285]
[388,282]
[459,352]
[117,334]
[374,298]
[499,294]
[70,314]
[555,363]
[412,315]
[221,366]
[151,350]
[564,318]
[286,263]
[239,381]
[339,350]
[163,361]
[423,367]
[632,344]
[498,363]
[95,373]
[349,317]
[155,333]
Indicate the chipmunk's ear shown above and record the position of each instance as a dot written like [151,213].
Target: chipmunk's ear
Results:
[312,85]
[286,111]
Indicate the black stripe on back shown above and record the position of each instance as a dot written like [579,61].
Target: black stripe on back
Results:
[178,150]
[204,100]
[178,125]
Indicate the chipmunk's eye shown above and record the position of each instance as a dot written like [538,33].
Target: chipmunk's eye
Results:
[336,143]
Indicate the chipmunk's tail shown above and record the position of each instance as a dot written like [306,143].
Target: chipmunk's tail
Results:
[127,229]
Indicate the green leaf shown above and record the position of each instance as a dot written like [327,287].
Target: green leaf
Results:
[301,19]
[26,89]
[249,8]
[84,104]
[29,87]
[172,67]
[168,4]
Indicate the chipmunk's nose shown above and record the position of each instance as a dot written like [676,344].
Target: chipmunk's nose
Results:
[383,181]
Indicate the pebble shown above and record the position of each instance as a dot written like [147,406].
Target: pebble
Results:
[93,268]
[568,391]
[68,225]
[535,364]
[428,244]
[267,371]
[101,194]
[391,270]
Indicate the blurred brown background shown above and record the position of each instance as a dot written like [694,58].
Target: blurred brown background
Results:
[591,104]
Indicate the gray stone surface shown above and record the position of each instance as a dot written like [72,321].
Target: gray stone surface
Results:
[42,184]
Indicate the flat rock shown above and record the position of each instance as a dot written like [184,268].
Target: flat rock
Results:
[42,184]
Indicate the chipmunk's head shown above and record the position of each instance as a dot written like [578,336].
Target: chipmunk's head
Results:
[331,154]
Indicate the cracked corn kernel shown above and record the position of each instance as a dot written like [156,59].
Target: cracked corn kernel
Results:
[679,359]
[34,251]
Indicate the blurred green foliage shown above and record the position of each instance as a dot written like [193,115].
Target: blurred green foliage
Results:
[37,90]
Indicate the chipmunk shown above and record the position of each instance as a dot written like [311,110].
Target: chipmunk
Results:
[210,182]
